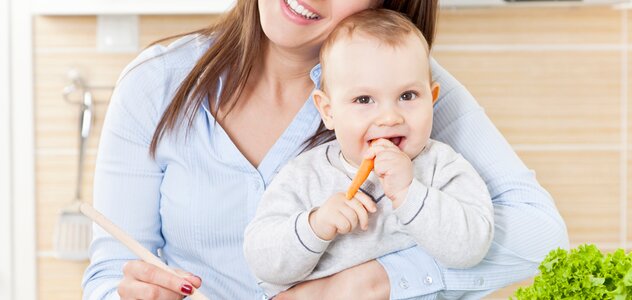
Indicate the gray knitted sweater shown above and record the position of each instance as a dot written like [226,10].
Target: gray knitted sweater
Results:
[447,212]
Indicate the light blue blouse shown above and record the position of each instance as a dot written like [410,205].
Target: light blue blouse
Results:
[195,199]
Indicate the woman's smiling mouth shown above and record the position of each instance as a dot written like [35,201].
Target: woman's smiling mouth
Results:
[301,10]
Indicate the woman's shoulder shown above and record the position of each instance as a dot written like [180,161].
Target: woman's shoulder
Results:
[181,54]
[454,102]
[157,72]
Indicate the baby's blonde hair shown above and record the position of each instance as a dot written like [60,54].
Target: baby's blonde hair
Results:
[387,26]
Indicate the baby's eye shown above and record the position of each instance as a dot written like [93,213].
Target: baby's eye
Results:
[407,96]
[363,100]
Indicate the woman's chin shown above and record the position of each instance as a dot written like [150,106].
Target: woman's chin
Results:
[284,41]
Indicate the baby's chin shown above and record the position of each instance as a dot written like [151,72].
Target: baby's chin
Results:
[412,147]
[414,151]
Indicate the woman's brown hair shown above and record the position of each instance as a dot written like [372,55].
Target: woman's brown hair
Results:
[237,43]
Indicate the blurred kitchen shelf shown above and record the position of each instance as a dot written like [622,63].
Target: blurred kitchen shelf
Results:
[526,3]
[209,7]
[129,7]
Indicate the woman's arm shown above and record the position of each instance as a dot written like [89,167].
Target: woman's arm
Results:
[127,181]
[367,281]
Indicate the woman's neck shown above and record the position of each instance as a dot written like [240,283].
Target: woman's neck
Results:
[288,64]
[283,73]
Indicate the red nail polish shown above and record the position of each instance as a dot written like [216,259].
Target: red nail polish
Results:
[187,289]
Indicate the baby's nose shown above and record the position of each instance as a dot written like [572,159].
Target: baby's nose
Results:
[389,117]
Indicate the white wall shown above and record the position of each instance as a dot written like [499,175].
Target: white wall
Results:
[17,151]
[6,283]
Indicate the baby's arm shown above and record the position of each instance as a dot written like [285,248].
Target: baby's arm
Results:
[279,245]
[452,216]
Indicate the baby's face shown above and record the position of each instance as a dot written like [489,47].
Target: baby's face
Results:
[378,91]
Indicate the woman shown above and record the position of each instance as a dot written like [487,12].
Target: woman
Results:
[196,130]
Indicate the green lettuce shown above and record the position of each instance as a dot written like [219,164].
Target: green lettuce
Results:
[582,273]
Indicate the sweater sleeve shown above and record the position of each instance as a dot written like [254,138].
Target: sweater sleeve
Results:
[279,244]
[452,216]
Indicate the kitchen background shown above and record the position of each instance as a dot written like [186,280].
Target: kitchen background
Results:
[553,78]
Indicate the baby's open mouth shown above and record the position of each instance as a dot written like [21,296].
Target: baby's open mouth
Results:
[397,140]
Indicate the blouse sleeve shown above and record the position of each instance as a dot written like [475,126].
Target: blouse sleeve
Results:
[127,180]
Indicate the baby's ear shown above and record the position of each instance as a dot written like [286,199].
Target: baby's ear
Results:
[435,87]
[323,105]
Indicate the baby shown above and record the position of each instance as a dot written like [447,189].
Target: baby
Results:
[377,95]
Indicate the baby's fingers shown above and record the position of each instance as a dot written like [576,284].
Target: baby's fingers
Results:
[345,221]
[360,211]
[366,201]
[378,146]
[351,215]
[382,142]
[374,151]
[370,153]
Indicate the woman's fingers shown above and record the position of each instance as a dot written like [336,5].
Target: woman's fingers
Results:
[134,289]
[190,277]
[159,279]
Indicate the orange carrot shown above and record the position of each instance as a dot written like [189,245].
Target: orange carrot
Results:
[363,172]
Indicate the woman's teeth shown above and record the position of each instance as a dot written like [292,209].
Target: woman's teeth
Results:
[300,10]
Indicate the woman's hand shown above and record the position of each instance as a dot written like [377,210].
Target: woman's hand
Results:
[146,281]
[366,281]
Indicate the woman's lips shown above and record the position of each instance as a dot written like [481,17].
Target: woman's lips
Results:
[302,9]
[308,16]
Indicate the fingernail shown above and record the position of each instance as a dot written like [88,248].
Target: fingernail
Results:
[186,289]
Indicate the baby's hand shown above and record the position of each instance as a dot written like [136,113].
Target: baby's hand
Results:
[340,216]
[394,169]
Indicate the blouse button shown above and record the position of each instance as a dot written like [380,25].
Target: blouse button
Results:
[428,280]
[480,281]
[257,184]
[403,283]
